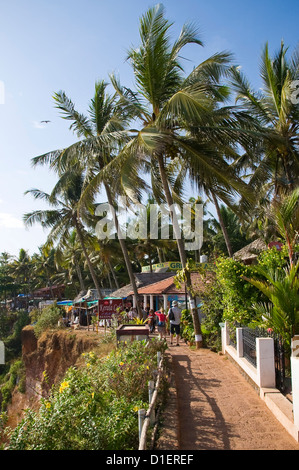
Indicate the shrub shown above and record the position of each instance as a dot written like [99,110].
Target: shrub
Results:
[49,318]
[238,294]
[15,376]
[187,326]
[94,407]
[212,308]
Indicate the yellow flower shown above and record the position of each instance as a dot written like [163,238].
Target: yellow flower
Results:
[121,363]
[63,386]
[135,408]
[88,364]
[92,395]
[48,405]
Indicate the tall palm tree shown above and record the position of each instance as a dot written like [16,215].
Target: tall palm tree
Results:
[21,270]
[65,216]
[284,215]
[174,111]
[101,132]
[69,258]
[44,267]
[237,237]
[276,157]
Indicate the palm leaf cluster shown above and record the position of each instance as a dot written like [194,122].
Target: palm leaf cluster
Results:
[170,129]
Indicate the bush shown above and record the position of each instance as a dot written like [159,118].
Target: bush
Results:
[187,326]
[15,376]
[48,319]
[238,294]
[212,308]
[94,407]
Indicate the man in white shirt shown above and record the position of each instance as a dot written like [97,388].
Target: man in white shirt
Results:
[175,323]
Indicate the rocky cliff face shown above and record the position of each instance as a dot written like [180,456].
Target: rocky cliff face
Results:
[46,361]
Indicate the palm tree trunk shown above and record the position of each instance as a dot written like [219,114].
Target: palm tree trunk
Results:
[90,266]
[80,277]
[113,274]
[223,228]
[125,251]
[182,253]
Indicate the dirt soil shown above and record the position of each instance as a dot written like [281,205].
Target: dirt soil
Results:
[52,355]
[212,406]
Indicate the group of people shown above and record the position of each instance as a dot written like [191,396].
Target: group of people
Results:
[160,319]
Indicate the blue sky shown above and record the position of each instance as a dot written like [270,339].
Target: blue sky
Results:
[47,46]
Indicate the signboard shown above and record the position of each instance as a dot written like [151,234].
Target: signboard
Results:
[171,265]
[108,307]
[278,245]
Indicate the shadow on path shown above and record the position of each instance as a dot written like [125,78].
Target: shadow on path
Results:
[202,425]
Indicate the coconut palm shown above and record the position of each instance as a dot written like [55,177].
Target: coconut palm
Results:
[174,112]
[100,132]
[281,287]
[65,216]
[43,267]
[21,270]
[276,157]
[237,237]
[284,215]
[69,259]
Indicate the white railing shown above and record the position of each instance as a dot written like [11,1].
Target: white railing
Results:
[147,418]
[263,375]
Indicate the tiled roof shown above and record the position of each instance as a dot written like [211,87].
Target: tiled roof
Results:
[142,279]
[167,286]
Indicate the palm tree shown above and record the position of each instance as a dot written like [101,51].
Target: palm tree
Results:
[6,280]
[21,270]
[281,287]
[275,158]
[236,235]
[44,267]
[101,132]
[69,259]
[65,216]
[284,215]
[174,112]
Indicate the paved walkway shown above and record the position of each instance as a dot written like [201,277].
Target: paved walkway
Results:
[212,407]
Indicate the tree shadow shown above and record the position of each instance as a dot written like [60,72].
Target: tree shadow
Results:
[201,422]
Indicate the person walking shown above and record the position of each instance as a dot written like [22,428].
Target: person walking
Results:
[174,316]
[151,321]
[161,323]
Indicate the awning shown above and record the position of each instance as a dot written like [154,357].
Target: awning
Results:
[65,302]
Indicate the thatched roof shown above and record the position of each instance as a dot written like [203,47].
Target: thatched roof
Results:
[88,296]
[250,252]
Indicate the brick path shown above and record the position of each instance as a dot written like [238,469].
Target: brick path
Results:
[212,407]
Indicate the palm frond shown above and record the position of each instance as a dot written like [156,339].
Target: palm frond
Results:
[80,123]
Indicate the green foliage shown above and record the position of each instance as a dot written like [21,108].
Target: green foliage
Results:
[15,376]
[238,294]
[49,318]
[94,407]
[12,340]
[212,308]
[281,289]
[273,258]
[187,327]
